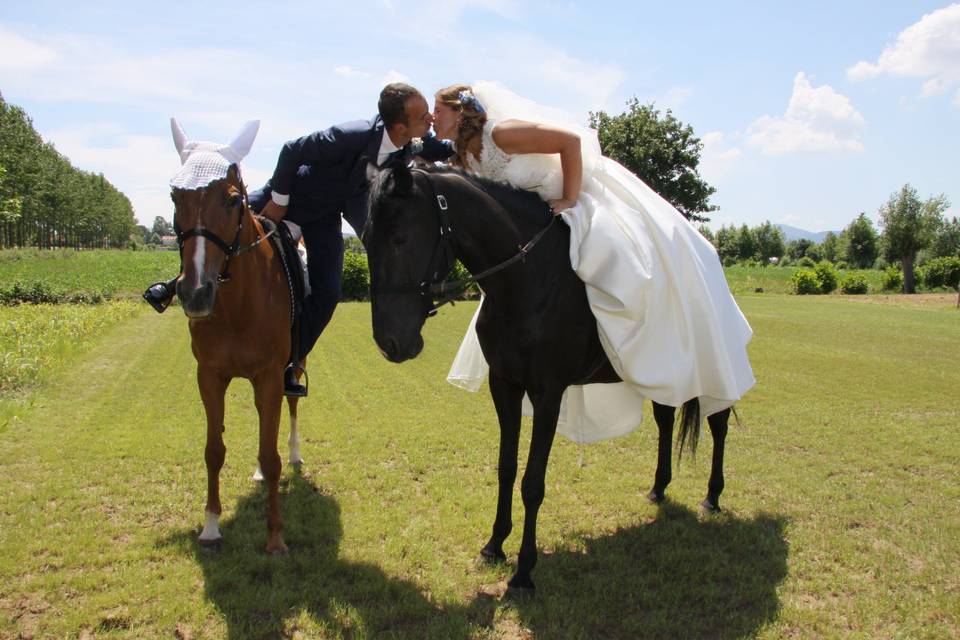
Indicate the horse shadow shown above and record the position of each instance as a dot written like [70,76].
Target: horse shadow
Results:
[263,596]
[680,576]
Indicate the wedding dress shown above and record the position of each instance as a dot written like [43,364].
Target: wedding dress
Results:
[665,314]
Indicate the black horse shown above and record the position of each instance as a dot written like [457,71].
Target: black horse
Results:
[535,327]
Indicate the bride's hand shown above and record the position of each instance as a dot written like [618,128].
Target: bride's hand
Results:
[556,206]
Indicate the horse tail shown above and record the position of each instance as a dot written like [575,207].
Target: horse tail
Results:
[689,427]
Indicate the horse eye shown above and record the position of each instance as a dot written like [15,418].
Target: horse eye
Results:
[235,201]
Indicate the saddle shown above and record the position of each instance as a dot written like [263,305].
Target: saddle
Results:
[286,241]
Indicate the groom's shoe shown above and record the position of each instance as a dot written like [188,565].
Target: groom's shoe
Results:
[291,387]
[160,294]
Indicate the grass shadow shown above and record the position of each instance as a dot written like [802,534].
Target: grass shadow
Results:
[677,577]
[263,596]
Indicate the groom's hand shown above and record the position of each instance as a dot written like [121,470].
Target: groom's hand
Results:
[274,211]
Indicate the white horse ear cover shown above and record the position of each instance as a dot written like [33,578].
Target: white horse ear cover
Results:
[205,162]
[179,139]
[242,144]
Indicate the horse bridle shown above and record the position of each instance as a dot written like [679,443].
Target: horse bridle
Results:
[434,282]
[231,250]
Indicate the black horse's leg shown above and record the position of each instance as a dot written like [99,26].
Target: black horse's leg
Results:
[718,429]
[546,408]
[663,414]
[508,398]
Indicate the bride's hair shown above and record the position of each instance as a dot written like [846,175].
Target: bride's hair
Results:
[459,97]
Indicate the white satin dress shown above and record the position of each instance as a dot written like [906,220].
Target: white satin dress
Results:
[665,314]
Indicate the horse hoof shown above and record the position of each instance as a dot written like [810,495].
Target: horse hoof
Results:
[492,556]
[277,548]
[210,544]
[654,497]
[295,463]
[520,590]
[709,506]
[257,475]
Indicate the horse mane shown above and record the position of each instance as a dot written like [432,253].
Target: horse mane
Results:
[519,202]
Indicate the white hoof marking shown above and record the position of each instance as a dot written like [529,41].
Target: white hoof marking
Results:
[211,528]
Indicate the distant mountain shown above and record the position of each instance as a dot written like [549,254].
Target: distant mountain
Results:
[793,233]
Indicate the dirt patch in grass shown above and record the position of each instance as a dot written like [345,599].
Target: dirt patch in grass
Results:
[921,300]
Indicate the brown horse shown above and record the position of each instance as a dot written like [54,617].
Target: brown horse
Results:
[238,301]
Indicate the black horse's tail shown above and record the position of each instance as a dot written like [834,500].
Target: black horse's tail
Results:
[689,427]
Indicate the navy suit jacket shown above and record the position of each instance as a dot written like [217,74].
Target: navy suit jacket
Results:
[325,172]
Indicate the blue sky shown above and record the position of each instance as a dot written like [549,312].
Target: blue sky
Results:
[810,112]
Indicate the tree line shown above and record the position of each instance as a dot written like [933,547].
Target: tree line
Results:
[912,232]
[46,202]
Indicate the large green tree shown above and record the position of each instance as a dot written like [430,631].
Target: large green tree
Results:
[661,151]
[860,242]
[769,242]
[909,225]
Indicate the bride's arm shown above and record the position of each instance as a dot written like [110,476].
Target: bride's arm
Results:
[518,136]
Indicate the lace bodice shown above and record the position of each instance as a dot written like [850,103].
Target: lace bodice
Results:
[494,161]
[531,171]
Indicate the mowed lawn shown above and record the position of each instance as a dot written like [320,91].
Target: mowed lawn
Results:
[841,510]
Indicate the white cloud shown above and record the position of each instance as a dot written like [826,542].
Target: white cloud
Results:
[930,48]
[20,54]
[346,71]
[718,157]
[675,96]
[816,119]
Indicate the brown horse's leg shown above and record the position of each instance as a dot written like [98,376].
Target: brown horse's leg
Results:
[718,429]
[663,415]
[212,389]
[546,409]
[268,392]
[508,398]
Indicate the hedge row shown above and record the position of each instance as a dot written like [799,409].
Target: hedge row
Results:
[355,284]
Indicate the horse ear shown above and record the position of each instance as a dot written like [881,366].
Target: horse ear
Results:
[403,176]
[179,138]
[233,173]
[242,144]
[371,169]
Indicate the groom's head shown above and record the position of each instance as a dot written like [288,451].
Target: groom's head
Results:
[405,112]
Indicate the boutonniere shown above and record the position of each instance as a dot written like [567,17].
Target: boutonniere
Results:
[416,145]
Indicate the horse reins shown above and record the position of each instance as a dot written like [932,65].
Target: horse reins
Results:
[434,283]
[233,249]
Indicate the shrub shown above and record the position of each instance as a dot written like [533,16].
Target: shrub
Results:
[941,272]
[459,272]
[855,283]
[806,261]
[355,283]
[805,282]
[841,264]
[826,276]
[892,279]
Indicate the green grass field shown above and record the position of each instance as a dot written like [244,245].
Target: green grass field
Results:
[841,505]
[114,274]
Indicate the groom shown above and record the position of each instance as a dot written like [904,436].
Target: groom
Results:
[322,176]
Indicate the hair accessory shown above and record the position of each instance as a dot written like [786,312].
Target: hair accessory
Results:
[467,99]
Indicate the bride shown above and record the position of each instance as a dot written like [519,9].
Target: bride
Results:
[665,314]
